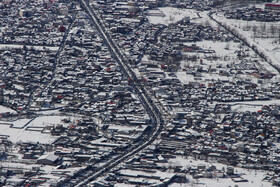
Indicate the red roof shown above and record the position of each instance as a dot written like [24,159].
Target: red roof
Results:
[275,5]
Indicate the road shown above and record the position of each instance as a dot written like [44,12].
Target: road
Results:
[156,116]
[56,59]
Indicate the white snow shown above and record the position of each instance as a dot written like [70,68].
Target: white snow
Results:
[252,103]
[50,121]
[4,109]
[20,123]
[21,133]
[244,108]
[254,177]
[9,46]
[171,15]
[269,46]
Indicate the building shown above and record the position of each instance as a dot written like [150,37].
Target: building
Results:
[50,159]
[272,7]
[7,2]
[63,9]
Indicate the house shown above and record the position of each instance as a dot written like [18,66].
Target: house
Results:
[272,7]
[63,9]
[15,182]
[7,2]
[49,159]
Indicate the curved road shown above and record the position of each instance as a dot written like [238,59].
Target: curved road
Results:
[153,111]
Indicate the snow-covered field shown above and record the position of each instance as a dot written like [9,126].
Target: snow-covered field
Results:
[4,109]
[21,135]
[9,46]
[258,34]
[50,121]
[244,108]
[171,15]
[254,177]
[21,131]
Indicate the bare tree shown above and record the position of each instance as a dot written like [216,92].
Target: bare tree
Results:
[263,28]
[272,29]
[255,29]
[227,46]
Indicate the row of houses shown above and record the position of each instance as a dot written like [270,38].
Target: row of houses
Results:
[254,14]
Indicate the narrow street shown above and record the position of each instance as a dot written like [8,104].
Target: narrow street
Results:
[56,61]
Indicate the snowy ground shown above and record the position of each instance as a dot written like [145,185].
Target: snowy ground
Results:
[252,106]
[51,120]
[4,109]
[171,15]
[226,57]
[9,46]
[269,102]
[21,135]
[22,131]
[265,41]
[254,177]
[244,108]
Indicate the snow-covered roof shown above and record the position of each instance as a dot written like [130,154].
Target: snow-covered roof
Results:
[50,157]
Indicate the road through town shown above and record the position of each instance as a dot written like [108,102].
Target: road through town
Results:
[156,117]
